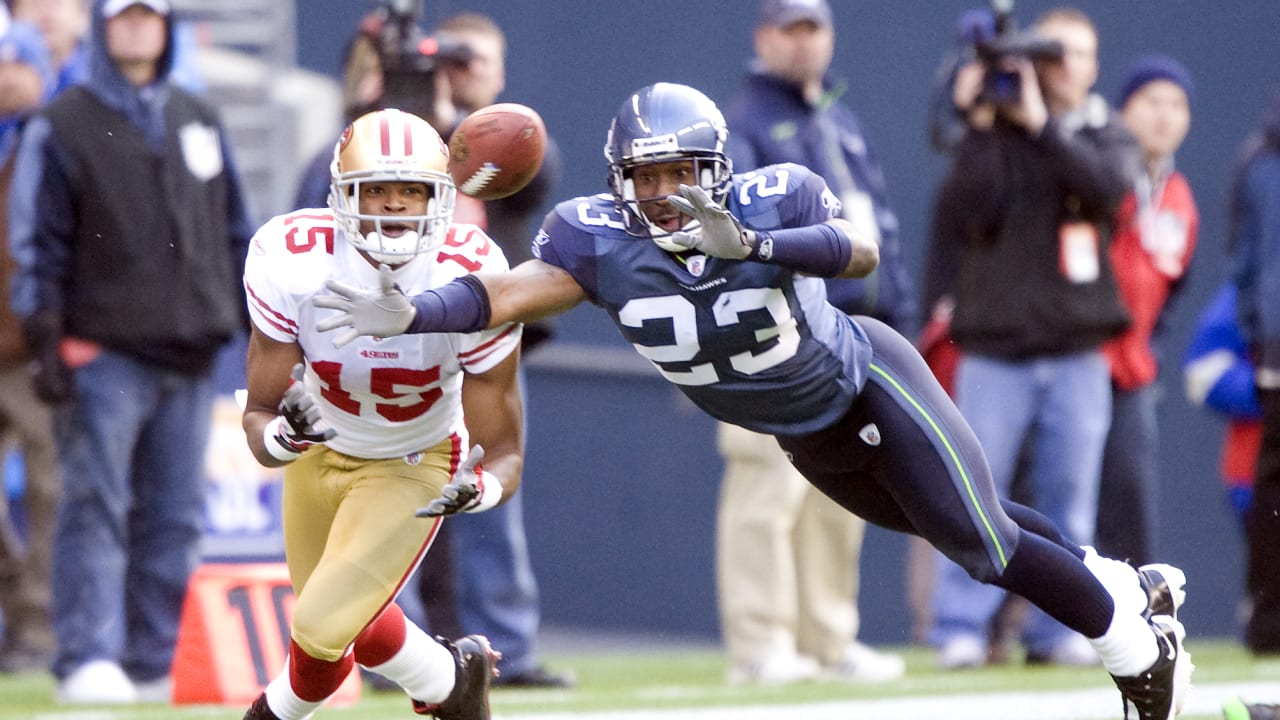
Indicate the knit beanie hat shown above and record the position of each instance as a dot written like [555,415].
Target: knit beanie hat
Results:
[1154,67]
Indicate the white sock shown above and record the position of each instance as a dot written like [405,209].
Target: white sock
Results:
[284,702]
[422,666]
[1128,647]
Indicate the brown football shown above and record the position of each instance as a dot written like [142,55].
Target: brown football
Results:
[496,150]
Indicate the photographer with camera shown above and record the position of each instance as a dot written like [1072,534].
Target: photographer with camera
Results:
[1028,210]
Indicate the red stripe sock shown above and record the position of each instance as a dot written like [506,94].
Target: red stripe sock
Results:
[382,639]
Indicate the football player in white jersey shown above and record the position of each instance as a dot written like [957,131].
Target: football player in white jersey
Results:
[383,432]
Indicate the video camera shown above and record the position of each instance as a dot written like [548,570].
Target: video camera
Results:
[1000,86]
[410,59]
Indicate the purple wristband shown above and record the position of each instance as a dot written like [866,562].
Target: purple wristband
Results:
[459,306]
[820,250]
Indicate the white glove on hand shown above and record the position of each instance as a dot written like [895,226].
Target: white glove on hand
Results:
[385,312]
[721,235]
[469,490]
[296,428]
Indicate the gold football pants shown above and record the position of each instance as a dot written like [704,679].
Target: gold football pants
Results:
[351,538]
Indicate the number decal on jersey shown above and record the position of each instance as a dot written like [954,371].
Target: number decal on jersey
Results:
[304,239]
[730,307]
[759,184]
[419,387]
[396,383]
[472,264]
[684,324]
[603,219]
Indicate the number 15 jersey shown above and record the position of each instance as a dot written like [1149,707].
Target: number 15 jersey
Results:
[752,344]
[386,397]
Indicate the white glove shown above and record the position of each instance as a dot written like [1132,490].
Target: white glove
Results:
[720,234]
[297,427]
[470,490]
[384,312]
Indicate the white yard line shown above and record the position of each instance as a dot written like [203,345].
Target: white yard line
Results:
[1094,704]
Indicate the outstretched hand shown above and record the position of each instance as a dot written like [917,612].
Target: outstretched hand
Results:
[467,490]
[720,234]
[384,312]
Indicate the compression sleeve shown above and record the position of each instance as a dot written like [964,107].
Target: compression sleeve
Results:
[459,306]
[819,250]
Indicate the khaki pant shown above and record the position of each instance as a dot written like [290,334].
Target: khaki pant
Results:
[786,557]
[25,567]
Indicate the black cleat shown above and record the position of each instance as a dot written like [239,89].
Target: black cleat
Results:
[1158,693]
[475,663]
[259,710]
[1164,585]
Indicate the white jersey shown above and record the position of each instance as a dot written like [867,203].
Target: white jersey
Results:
[386,397]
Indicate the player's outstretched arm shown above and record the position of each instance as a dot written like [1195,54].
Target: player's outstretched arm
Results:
[531,291]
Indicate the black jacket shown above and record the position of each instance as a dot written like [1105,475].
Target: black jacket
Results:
[130,230]
[1002,209]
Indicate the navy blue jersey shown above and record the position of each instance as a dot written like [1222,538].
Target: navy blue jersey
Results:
[752,344]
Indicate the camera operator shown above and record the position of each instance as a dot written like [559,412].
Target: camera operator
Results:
[1028,210]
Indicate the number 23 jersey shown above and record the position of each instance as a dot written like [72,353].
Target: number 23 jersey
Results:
[386,397]
[752,344]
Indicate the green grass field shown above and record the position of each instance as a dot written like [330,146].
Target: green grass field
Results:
[665,682]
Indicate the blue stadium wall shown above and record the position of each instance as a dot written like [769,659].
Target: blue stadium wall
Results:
[622,474]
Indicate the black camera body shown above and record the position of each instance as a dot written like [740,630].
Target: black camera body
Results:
[410,59]
[1000,86]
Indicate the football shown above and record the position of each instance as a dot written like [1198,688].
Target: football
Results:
[496,150]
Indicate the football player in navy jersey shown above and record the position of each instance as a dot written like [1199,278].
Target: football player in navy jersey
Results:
[716,279]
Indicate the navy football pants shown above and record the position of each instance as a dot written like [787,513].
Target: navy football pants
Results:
[903,458]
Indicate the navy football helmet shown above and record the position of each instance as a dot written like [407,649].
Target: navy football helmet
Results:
[662,123]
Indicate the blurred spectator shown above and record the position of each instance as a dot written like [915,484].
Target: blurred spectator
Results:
[26,78]
[1153,244]
[1218,375]
[1254,240]
[786,554]
[497,592]
[63,23]
[1030,202]
[129,232]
